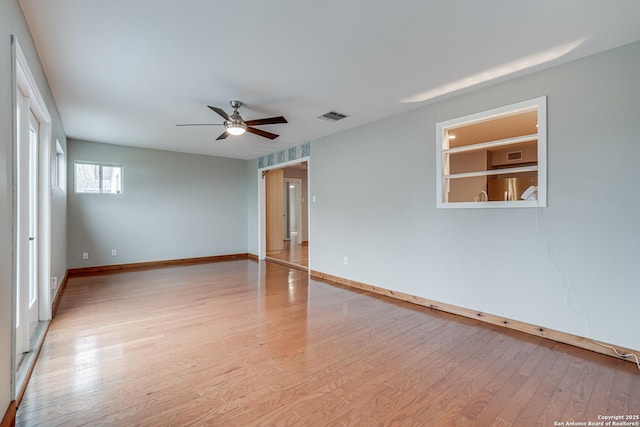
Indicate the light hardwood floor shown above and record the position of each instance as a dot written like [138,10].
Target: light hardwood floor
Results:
[292,254]
[241,343]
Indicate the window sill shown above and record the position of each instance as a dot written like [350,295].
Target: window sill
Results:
[485,205]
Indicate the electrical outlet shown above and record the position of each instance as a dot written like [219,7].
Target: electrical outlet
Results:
[346,260]
[114,252]
[54,283]
[85,255]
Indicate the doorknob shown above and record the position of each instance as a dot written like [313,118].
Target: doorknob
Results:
[32,238]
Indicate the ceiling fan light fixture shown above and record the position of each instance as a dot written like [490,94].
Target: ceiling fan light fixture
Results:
[235,128]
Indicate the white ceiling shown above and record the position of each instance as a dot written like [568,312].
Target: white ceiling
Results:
[127,71]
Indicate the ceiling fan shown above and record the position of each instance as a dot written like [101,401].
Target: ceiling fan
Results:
[235,125]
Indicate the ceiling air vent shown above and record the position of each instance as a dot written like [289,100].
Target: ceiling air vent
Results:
[333,116]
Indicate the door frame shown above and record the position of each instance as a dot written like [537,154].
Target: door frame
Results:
[23,80]
[262,203]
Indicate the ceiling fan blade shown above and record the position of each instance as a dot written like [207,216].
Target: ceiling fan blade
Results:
[222,136]
[262,133]
[220,111]
[201,124]
[267,121]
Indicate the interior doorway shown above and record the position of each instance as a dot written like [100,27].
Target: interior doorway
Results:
[284,214]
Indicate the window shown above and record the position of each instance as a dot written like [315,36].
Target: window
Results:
[59,168]
[98,178]
[495,158]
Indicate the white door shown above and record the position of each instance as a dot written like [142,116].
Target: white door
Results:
[27,311]
[292,210]
[34,241]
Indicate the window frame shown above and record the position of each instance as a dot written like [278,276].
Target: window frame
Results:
[442,151]
[59,182]
[100,165]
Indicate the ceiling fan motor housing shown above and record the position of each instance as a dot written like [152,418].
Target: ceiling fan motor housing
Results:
[235,125]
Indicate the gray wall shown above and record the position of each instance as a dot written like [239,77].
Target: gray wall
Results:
[173,206]
[570,266]
[12,22]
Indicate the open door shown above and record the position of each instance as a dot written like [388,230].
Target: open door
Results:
[32,221]
[275,210]
[27,304]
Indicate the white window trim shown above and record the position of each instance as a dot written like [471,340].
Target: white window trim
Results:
[540,104]
[60,171]
[101,164]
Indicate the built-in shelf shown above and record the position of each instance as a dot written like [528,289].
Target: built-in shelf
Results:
[491,144]
[492,172]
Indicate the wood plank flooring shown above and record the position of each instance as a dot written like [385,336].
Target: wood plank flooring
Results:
[292,253]
[241,343]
